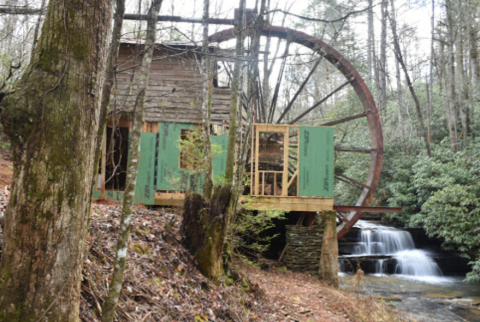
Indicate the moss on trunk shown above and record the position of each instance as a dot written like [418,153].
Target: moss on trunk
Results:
[204,230]
[50,119]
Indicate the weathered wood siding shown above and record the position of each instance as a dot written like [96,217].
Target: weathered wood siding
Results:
[174,89]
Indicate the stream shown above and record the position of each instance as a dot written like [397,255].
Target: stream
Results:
[415,281]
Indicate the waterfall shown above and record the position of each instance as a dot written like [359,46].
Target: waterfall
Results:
[384,245]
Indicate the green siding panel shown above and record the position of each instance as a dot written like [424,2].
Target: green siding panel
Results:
[169,154]
[114,195]
[316,161]
[144,190]
[219,161]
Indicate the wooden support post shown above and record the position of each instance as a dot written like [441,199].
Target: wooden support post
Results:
[257,147]
[298,163]
[104,163]
[328,270]
[285,163]
[253,181]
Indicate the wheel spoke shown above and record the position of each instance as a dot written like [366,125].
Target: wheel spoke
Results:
[346,119]
[290,104]
[261,103]
[351,181]
[351,149]
[279,82]
[321,101]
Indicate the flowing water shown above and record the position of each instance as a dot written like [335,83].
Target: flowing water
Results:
[408,278]
[388,246]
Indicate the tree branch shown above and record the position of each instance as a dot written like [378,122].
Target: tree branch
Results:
[316,19]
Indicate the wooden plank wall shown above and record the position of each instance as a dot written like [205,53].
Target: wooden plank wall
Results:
[174,89]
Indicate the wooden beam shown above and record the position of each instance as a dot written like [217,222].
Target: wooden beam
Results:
[293,178]
[169,198]
[272,128]
[213,21]
[372,210]
[312,204]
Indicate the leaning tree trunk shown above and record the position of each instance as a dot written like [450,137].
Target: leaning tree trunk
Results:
[51,119]
[418,109]
[116,282]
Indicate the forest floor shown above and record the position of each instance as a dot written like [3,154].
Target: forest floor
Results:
[163,284]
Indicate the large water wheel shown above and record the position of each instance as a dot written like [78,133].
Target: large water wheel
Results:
[279,109]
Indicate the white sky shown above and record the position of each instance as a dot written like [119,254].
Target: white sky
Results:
[415,13]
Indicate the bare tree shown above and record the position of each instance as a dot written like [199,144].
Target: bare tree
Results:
[399,57]
[115,286]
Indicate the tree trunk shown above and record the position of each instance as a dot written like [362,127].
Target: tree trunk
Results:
[450,84]
[473,44]
[204,229]
[236,93]
[399,57]
[475,72]
[462,81]
[382,63]
[51,119]
[430,91]
[204,225]
[115,286]
[242,138]
[399,93]
[206,104]
[371,42]
[108,86]
[328,270]
[37,28]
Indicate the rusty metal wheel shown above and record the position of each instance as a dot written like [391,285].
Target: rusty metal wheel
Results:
[344,76]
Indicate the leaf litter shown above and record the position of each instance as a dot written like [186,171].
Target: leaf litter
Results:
[163,284]
[161,281]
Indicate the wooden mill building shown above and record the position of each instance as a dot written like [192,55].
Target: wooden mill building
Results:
[290,167]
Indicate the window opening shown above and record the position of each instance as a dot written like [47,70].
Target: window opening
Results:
[190,140]
[274,161]
[223,78]
[116,158]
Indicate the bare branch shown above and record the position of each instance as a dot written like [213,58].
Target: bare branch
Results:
[317,19]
